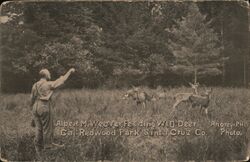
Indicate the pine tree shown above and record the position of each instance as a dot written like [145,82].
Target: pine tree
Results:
[195,46]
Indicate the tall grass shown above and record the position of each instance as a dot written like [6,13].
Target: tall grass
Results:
[227,105]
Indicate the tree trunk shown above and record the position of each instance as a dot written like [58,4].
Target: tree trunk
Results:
[246,59]
[222,50]
[245,71]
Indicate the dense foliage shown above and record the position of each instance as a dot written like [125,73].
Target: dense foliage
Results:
[122,44]
[195,46]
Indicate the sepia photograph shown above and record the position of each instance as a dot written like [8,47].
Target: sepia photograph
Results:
[124,81]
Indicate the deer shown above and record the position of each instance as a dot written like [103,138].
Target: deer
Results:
[183,97]
[201,100]
[195,99]
[139,97]
[161,95]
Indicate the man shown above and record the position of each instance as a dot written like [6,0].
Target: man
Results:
[41,108]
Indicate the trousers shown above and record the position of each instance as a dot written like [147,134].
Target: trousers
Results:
[43,119]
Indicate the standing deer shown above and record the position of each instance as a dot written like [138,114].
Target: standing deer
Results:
[183,97]
[196,100]
[161,95]
[138,97]
[201,100]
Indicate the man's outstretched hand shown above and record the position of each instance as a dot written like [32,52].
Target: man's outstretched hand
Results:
[72,70]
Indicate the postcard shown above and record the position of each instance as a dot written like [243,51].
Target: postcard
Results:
[124,81]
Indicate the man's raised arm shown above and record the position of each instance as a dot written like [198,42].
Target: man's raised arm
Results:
[62,79]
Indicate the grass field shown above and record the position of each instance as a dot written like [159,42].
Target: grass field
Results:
[228,105]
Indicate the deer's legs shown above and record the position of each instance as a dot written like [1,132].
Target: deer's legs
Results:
[206,112]
[144,105]
[200,109]
[176,104]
